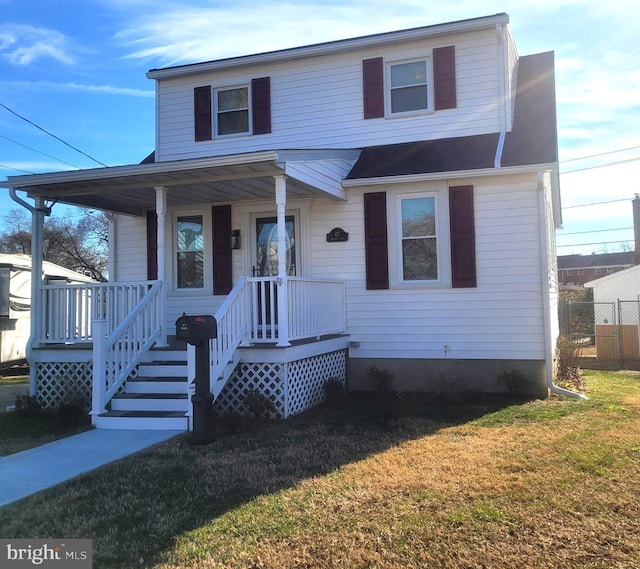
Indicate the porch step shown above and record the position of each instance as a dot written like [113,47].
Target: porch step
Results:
[156,385]
[143,420]
[150,402]
[163,369]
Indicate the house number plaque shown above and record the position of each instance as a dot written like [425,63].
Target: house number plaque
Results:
[337,235]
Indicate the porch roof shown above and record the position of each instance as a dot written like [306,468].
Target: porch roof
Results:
[131,189]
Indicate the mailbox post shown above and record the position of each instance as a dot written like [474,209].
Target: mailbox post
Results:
[197,331]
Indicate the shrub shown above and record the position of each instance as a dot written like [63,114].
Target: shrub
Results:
[71,415]
[334,391]
[381,379]
[568,371]
[231,423]
[514,381]
[259,405]
[28,406]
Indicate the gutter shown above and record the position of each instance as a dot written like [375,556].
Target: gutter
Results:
[546,303]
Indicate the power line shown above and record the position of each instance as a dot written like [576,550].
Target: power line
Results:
[16,169]
[597,243]
[601,166]
[34,150]
[601,154]
[52,135]
[562,234]
[595,203]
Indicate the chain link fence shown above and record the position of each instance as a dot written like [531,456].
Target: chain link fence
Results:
[606,334]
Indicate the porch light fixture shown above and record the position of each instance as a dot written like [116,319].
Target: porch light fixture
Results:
[235,239]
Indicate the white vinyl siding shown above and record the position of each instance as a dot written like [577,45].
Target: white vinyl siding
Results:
[502,318]
[131,249]
[317,102]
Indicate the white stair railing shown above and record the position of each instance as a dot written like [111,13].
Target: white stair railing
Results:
[232,330]
[116,354]
[249,315]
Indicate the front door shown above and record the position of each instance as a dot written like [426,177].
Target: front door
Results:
[266,247]
[266,265]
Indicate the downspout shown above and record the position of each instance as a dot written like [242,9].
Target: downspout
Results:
[503,99]
[546,303]
[37,221]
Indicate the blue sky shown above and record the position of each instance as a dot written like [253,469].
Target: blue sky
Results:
[77,69]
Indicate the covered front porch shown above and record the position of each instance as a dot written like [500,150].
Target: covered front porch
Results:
[114,328]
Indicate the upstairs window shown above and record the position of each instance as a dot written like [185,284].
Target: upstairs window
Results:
[240,109]
[424,85]
[408,87]
[232,110]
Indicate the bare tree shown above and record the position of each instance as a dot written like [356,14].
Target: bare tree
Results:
[79,244]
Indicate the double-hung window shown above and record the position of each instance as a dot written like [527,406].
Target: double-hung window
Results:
[232,110]
[418,238]
[409,86]
[190,252]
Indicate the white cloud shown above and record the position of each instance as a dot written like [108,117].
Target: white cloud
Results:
[76,87]
[22,45]
[200,33]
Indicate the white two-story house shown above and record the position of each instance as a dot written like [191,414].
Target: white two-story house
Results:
[384,201]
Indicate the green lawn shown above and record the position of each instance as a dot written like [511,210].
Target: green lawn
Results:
[13,380]
[404,483]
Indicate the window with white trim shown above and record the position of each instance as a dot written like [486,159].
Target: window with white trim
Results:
[419,238]
[190,252]
[409,86]
[232,110]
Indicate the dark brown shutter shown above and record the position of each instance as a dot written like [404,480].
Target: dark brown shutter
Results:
[373,88]
[444,77]
[152,245]
[375,240]
[222,275]
[463,238]
[202,113]
[261,105]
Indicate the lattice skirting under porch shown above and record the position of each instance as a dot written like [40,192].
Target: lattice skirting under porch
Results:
[292,386]
[64,382]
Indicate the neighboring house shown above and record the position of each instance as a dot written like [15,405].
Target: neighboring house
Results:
[385,201]
[576,270]
[15,301]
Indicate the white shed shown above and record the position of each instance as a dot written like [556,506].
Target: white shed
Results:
[617,314]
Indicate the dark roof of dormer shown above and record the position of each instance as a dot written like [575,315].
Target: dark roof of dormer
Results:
[533,139]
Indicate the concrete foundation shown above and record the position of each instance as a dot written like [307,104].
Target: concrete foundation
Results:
[453,376]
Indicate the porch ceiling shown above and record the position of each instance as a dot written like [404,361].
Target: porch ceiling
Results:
[131,189]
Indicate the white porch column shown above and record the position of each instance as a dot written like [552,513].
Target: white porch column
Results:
[161,212]
[37,223]
[283,277]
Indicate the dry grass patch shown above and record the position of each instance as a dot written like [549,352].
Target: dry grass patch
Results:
[544,484]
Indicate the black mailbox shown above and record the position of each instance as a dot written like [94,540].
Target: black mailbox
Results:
[194,329]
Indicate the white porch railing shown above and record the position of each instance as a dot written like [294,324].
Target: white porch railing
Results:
[116,353]
[68,310]
[316,307]
[249,315]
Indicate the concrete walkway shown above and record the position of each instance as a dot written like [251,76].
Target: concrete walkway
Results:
[28,472]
